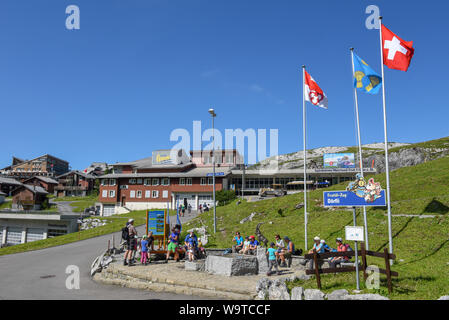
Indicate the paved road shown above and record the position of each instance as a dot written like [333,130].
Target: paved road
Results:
[41,274]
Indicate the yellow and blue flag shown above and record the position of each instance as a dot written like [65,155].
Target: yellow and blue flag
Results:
[365,78]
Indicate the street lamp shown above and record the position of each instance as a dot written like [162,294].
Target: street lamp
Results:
[213,114]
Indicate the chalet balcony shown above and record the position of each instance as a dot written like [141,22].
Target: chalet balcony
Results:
[71,188]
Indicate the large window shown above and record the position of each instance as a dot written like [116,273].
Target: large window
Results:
[132,194]
[155,182]
[132,181]
[210,181]
[104,182]
[165,181]
[155,194]
[139,194]
[203,181]
[182,181]
[55,230]
[189,181]
[104,193]
[147,182]
[111,193]
[14,235]
[112,182]
[147,194]
[165,194]
[139,181]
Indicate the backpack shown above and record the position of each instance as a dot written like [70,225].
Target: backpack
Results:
[125,233]
[348,248]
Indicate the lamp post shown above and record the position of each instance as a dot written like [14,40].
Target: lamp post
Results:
[213,114]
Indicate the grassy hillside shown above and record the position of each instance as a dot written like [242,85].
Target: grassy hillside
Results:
[421,244]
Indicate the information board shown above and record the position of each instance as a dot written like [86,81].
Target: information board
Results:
[353,233]
[156,222]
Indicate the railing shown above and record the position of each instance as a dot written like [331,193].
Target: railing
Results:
[71,188]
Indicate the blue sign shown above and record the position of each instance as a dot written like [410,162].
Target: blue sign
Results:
[217,174]
[351,199]
[156,222]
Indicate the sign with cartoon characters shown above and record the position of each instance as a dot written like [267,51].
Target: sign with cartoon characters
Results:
[358,193]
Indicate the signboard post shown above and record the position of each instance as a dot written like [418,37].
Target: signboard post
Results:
[357,194]
[355,234]
[156,223]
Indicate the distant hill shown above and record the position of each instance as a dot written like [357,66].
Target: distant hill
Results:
[400,155]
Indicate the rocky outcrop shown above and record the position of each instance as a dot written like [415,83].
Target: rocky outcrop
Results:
[278,291]
[313,294]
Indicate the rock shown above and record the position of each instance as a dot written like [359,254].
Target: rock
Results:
[313,294]
[337,294]
[278,291]
[365,296]
[299,206]
[443,298]
[196,265]
[262,295]
[106,261]
[249,218]
[262,260]
[232,265]
[263,284]
[297,293]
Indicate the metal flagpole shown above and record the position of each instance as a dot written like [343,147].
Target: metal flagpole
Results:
[360,146]
[387,171]
[304,144]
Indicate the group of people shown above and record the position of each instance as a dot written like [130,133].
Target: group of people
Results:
[192,247]
[183,208]
[321,246]
[279,252]
[203,207]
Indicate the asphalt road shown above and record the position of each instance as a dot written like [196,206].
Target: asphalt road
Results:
[41,274]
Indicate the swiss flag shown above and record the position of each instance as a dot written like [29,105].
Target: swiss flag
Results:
[313,93]
[397,52]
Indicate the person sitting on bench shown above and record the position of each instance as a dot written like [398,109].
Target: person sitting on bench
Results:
[341,247]
[287,252]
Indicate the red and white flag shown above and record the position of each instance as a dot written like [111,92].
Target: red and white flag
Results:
[397,52]
[313,93]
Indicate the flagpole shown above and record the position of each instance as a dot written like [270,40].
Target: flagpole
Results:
[360,146]
[305,157]
[387,171]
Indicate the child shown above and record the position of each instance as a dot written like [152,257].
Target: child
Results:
[190,252]
[144,250]
[245,246]
[201,249]
[271,253]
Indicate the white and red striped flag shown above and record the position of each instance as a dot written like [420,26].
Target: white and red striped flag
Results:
[313,93]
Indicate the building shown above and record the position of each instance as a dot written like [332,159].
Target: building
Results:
[250,181]
[75,183]
[2,197]
[47,183]
[97,168]
[17,228]
[168,177]
[7,185]
[28,197]
[46,165]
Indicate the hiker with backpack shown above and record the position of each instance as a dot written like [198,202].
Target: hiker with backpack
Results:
[341,247]
[129,234]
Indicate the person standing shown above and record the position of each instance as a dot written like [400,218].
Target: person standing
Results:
[144,250]
[272,262]
[173,245]
[131,244]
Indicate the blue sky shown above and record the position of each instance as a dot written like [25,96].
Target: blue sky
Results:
[137,69]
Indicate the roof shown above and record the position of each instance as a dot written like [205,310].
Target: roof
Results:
[44,179]
[147,163]
[85,175]
[10,181]
[195,172]
[34,189]
[2,194]
[45,155]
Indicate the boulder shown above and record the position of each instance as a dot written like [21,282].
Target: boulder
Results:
[262,260]
[196,265]
[249,218]
[313,294]
[278,291]
[297,293]
[337,294]
[263,284]
[443,298]
[232,265]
